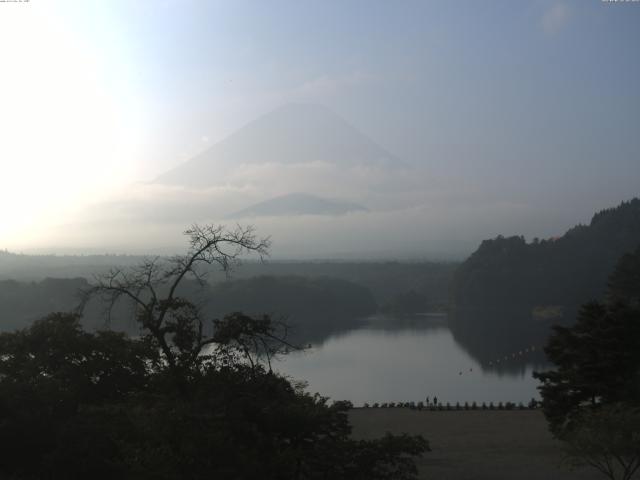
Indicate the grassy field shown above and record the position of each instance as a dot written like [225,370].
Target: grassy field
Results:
[475,445]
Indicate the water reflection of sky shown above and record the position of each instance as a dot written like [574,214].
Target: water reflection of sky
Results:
[376,364]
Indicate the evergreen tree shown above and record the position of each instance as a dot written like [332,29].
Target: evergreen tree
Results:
[597,362]
[597,359]
[624,283]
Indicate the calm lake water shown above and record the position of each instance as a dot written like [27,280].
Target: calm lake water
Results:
[406,362]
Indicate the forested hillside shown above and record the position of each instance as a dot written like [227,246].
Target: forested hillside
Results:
[508,272]
[313,307]
[293,295]
[388,281]
[23,302]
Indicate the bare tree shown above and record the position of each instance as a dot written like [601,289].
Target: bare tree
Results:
[174,322]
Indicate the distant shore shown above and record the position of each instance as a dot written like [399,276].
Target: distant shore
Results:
[475,444]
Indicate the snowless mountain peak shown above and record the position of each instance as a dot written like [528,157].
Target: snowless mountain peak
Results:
[295,133]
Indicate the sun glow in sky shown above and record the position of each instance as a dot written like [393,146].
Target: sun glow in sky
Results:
[530,105]
[67,135]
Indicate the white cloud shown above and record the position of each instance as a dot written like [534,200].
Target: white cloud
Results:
[409,215]
[555,17]
[420,231]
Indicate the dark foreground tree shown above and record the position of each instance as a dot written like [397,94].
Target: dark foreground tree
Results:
[624,282]
[592,398]
[607,439]
[64,396]
[597,362]
[191,398]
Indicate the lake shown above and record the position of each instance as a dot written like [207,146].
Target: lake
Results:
[394,360]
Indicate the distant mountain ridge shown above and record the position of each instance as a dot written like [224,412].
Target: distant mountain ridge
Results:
[298,204]
[565,271]
[292,134]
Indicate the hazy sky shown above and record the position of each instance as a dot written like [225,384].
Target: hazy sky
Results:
[539,100]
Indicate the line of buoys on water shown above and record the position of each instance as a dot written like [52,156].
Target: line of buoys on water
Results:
[506,358]
[512,356]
